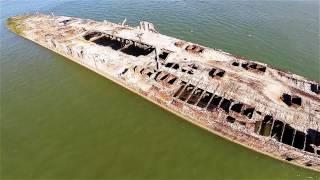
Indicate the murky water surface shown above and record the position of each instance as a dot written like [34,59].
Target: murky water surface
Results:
[60,120]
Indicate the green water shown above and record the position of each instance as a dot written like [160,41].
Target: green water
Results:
[61,121]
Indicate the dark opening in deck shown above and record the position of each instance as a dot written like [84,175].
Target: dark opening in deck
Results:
[183,84]
[214,102]
[277,130]
[195,96]
[299,140]
[106,41]
[185,94]
[204,99]
[313,138]
[266,125]
[287,137]
[225,105]
[137,50]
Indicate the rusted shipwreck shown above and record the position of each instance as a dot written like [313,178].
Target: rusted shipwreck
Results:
[271,111]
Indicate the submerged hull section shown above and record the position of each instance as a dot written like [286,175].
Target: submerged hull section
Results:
[268,110]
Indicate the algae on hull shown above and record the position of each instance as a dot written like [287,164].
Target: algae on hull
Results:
[15,24]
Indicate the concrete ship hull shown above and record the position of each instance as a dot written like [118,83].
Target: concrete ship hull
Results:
[268,110]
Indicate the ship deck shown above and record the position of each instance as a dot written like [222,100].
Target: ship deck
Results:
[270,110]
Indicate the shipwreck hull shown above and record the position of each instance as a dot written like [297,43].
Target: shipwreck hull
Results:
[270,111]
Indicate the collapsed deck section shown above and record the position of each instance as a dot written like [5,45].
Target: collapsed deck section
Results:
[264,108]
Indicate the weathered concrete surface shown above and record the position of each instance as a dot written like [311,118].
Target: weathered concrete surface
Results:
[274,112]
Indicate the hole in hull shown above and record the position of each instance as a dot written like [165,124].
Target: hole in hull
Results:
[106,41]
[211,72]
[236,107]
[156,76]
[183,84]
[235,64]
[137,50]
[164,77]
[171,81]
[185,94]
[299,140]
[266,125]
[214,102]
[163,55]
[195,96]
[168,64]
[313,138]
[315,88]
[230,119]
[220,73]
[286,98]
[287,137]
[90,35]
[248,112]
[204,99]
[277,130]
[296,100]
[225,104]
